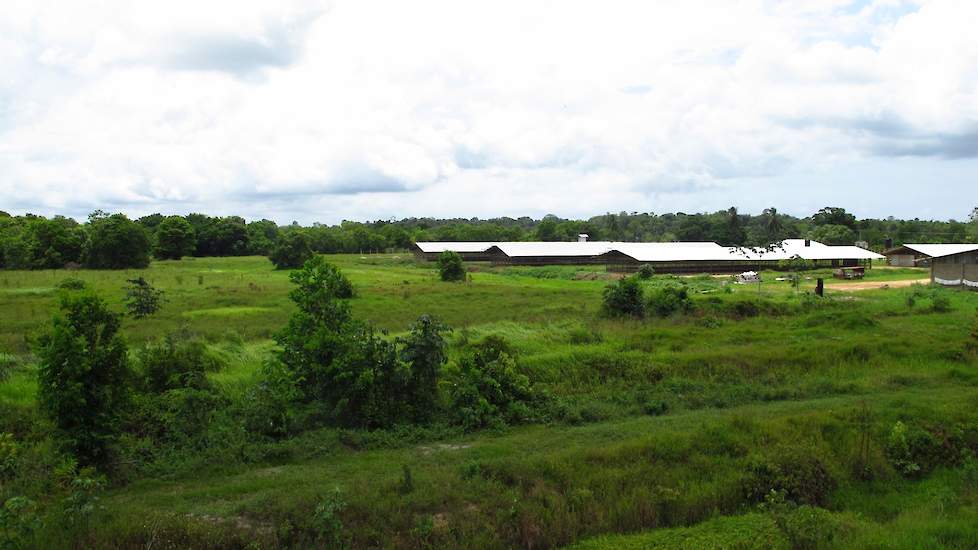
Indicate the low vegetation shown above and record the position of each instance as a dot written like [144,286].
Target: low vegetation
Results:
[359,401]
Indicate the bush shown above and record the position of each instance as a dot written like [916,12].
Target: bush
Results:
[646,271]
[342,365]
[268,407]
[424,350]
[72,283]
[9,452]
[450,266]
[624,298]
[83,376]
[669,300]
[488,389]
[912,451]
[940,303]
[177,362]
[142,300]
[796,472]
[292,250]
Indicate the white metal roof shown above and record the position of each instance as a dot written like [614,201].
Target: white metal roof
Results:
[940,250]
[795,248]
[677,252]
[457,246]
[521,249]
[664,252]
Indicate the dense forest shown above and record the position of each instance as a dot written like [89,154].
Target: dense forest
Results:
[114,241]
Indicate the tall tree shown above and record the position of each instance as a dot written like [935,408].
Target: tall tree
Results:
[116,242]
[175,238]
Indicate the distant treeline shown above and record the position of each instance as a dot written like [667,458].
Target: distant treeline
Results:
[114,241]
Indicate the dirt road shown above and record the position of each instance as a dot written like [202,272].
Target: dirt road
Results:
[870,285]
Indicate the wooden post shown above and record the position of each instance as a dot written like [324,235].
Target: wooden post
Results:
[819,287]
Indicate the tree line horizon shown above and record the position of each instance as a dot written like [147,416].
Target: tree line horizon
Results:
[114,241]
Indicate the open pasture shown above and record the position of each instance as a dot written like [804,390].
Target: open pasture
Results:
[669,430]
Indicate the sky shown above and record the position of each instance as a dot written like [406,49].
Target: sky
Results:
[319,111]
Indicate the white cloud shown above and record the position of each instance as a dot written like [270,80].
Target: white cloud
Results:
[363,109]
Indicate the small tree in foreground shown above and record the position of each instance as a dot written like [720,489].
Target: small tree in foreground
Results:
[84,376]
[450,266]
[142,299]
[624,298]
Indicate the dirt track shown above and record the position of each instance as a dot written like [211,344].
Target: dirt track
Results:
[870,285]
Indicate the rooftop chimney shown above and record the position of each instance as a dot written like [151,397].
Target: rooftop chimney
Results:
[808,242]
[889,243]
[582,238]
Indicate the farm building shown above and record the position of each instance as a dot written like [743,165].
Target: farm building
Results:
[671,257]
[470,251]
[951,264]
[910,255]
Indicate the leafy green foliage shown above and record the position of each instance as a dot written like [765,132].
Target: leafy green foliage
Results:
[9,452]
[177,361]
[116,242]
[327,523]
[669,300]
[424,351]
[343,365]
[624,298]
[18,522]
[142,299]
[292,250]
[450,266]
[645,271]
[489,389]
[84,376]
[797,472]
[175,238]
[71,283]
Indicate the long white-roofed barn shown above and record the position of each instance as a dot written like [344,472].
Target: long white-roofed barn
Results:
[665,257]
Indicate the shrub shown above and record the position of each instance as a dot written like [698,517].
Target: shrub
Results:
[83,376]
[489,389]
[142,300]
[796,472]
[424,351]
[268,407]
[292,250]
[9,452]
[940,303]
[72,283]
[972,343]
[450,266]
[326,522]
[7,364]
[669,300]
[344,366]
[177,362]
[911,450]
[624,298]
[18,522]
[646,271]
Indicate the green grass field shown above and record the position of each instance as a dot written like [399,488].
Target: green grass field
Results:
[663,429]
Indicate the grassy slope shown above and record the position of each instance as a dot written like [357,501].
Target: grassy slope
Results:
[732,386]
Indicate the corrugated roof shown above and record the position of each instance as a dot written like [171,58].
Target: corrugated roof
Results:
[941,250]
[457,246]
[677,252]
[663,252]
[520,249]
